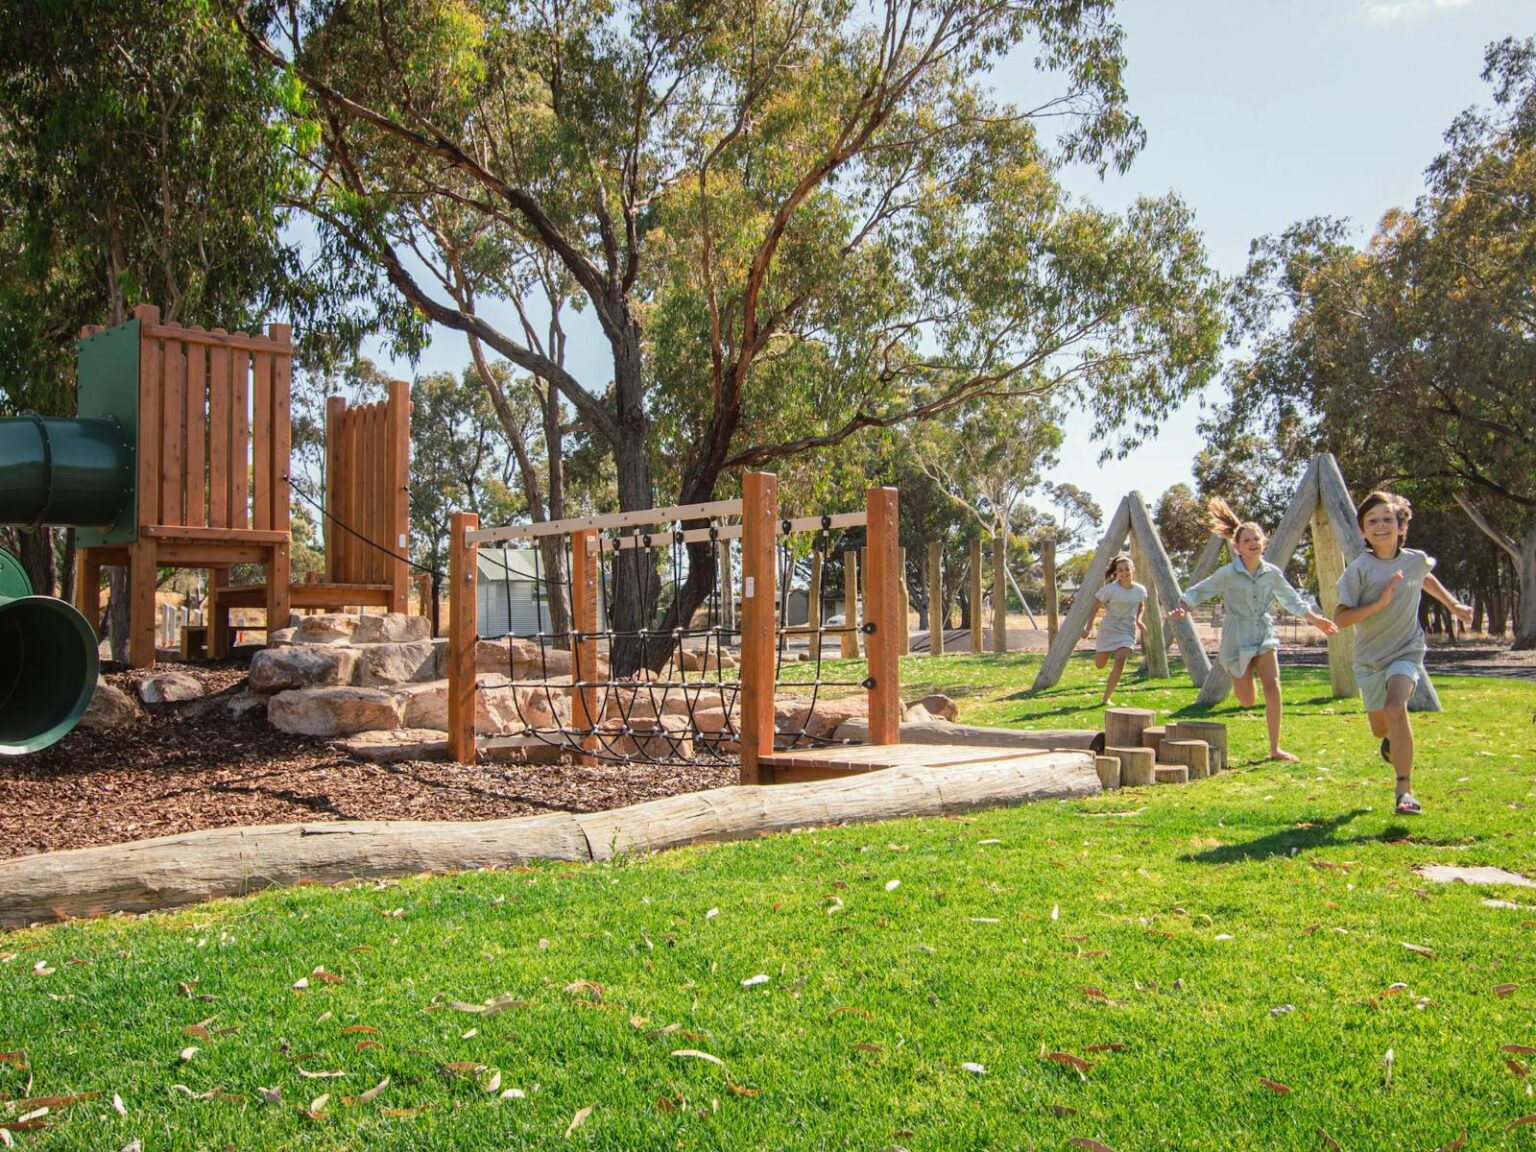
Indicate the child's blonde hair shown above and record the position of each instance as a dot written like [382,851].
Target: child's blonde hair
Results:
[1109,573]
[1224,522]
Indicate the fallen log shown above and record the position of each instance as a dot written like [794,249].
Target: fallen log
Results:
[170,871]
[938,731]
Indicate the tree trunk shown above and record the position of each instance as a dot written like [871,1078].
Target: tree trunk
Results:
[67,568]
[635,586]
[117,612]
[1525,572]
[35,551]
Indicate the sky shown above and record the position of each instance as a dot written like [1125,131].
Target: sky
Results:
[1258,113]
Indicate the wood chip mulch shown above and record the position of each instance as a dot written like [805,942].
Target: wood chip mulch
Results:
[190,766]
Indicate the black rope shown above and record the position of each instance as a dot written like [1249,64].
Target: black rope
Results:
[318,507]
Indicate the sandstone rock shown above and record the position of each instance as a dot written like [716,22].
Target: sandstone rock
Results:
[281,637]
[169,688]
[663,738]
[303,666]
[402,744]
[383,664]
[241,706]
[500,706]
[682,701]
[334,711]
[521,659]
[326,628]
[941,706]
[392,628]
[110,707]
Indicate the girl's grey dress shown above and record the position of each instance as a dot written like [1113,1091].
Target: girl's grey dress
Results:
[1120,606]
[1248,628]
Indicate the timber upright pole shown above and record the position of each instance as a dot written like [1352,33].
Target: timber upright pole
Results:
[462,560]
[1052,597]
[1000,591]
[884,613]
[848,641]
[1154,649]
[759,535]
[976,637]
[904,614]
[936,599]
[584,712]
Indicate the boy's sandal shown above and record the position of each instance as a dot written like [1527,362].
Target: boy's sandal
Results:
[1408,806]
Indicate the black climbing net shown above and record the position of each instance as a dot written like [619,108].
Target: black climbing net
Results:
[683,709]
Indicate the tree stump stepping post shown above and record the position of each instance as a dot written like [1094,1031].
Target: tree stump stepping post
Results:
[1213,733]
[1123,726]
[1152,737]
[1137,765]
[1194,755]
[1108,768]
[1170,774]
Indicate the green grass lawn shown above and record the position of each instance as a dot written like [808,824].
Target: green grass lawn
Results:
[1224,964]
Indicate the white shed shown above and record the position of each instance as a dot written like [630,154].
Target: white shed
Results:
[510,595]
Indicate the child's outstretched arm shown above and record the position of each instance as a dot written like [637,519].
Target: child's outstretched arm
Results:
[1296,604]
[1462,612]
[1092,616]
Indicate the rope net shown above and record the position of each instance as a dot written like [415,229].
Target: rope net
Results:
[533,686]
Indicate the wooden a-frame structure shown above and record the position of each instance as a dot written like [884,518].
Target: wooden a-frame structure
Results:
[1322,504]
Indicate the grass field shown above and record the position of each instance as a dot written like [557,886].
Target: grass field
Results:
[1220,966]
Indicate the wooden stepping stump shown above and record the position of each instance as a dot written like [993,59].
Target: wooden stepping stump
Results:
[1170,774]
[1136,765]
[1214,734]
[1123,726]
[1153,738]
[1108,768]
[1192,754]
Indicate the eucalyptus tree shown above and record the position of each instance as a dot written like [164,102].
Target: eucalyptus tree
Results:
[790,219]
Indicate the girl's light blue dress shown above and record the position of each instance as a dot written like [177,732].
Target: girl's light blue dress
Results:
[1248,628]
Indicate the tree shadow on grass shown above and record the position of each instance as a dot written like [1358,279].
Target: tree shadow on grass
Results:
[1286,842]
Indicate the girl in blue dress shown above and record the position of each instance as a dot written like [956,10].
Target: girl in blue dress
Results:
[1249,587]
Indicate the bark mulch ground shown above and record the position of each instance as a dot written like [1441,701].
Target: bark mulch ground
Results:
[188,766]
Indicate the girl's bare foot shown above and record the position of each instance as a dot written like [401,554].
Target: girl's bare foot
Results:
[1107,702]
[1282,754]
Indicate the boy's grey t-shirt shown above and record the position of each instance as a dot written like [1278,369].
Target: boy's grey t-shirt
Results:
[1394,632]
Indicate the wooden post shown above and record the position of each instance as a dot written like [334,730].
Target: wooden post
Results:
[398,470]
[813,604]
[584,707]
[141,602]
[848,640]
[463,559]
[1052,597]
[1108,768]
[88,588]
[936,599]
[279,595]
[1152,737]
[727,588]
[976,626]
[759,534]
[1123,726]
[1077,616]
[1328,560]
[1154,651]
[1214,735]
[1000,591]
[883,609]
[1196,662]
[423,583]
[221,636]
[336,540]
[904,614]
[1194,755]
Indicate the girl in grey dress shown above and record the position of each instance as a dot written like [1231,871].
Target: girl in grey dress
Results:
[1249,588]
[1379,595]
[1124,602]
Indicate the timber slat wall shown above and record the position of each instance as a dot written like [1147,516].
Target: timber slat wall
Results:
[366,480]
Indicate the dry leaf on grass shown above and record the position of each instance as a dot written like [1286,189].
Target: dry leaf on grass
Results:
[118,1106]
[329,1075]
[1329,1142]
[188,1053]
[838,1011]
[1113,1046]
[271,1095]
[373,1093]
[876,1048]
[1275,1086]
[1517,1068]
[19,1059]
[492,1085]
[1502,990]
[1519,1049]
[1418,949]
[695,1054]
[353,1029]
[1520,1123]
[591,990]
[1090,1145]
[1456,1144]
[317,1105]
[580,1118]
[1063,1110]
[974,1069]
[753,981]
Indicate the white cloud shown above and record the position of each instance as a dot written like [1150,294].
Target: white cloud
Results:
[1405,11]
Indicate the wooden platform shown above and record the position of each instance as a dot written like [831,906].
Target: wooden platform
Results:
[801,764]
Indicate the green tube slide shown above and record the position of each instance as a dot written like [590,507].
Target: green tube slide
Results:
[48,664]
[71,473]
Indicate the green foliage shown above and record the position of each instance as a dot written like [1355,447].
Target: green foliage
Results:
[1185,942]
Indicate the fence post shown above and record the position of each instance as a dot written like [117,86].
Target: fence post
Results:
[883,609]
[1000,591]
[1052,599]
[977,644]
[462,634]
[584,646]
[848,641]
[759,536]
[904,612]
